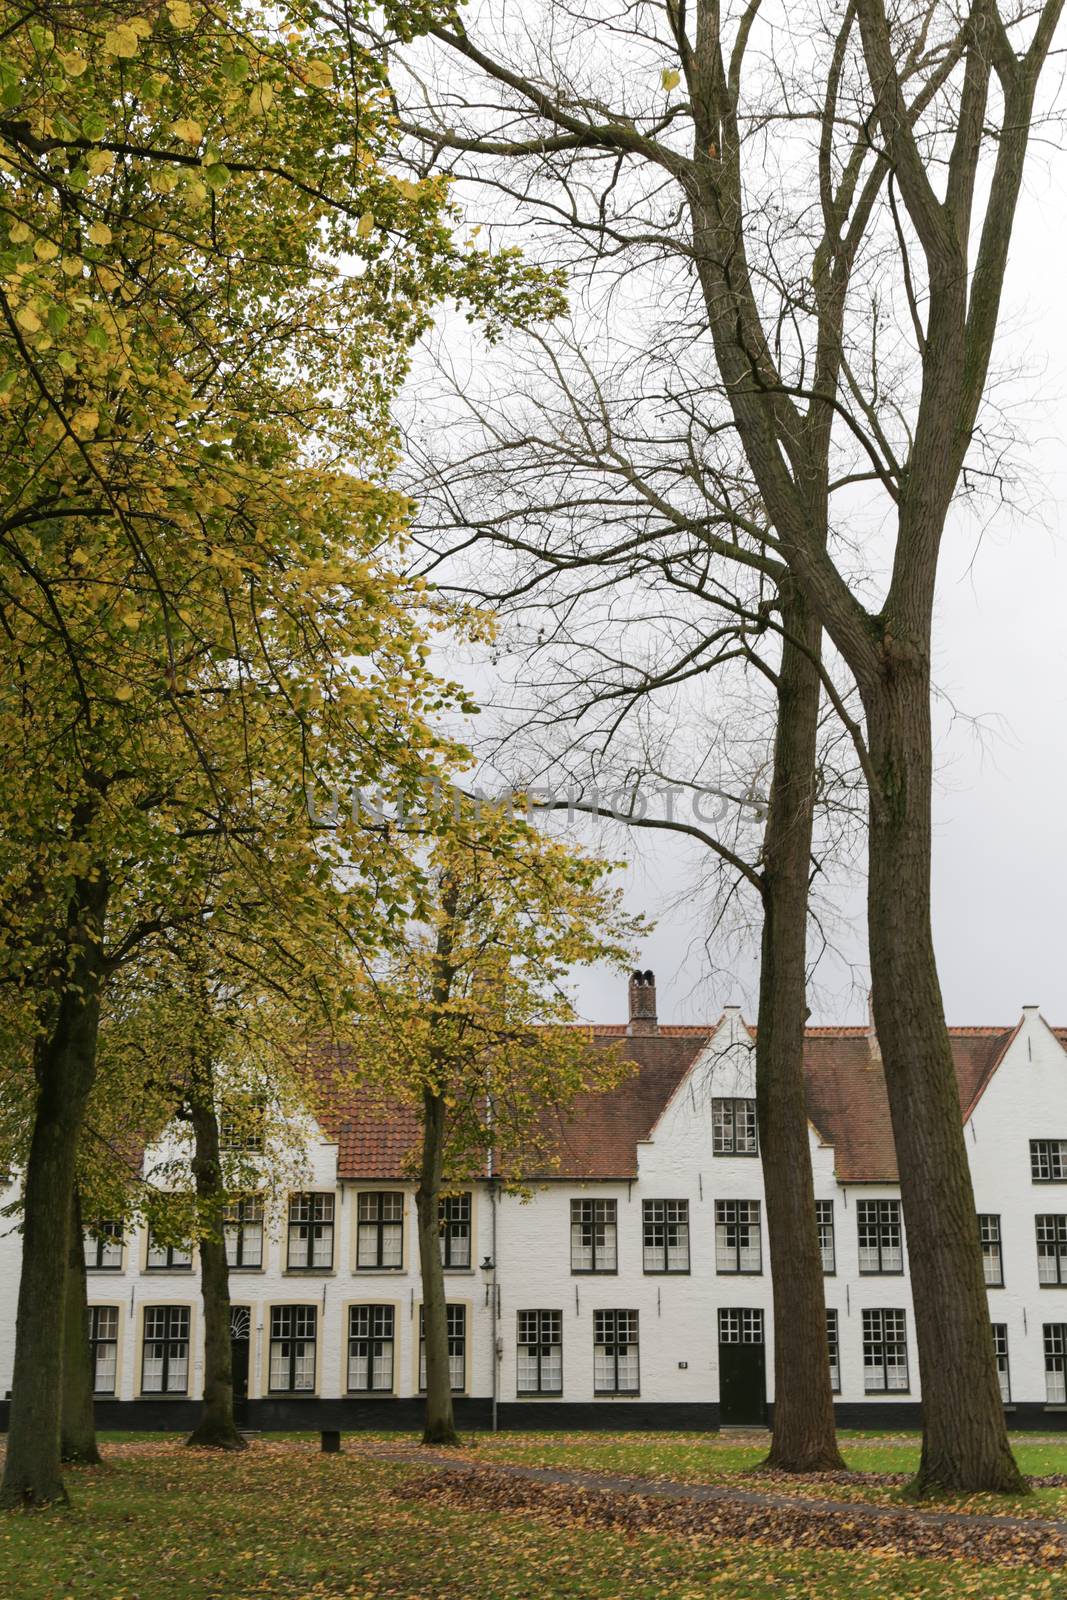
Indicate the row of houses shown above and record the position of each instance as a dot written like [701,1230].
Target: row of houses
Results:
[629,1288]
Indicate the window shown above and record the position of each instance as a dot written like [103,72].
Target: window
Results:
[616,1368]
[103,1247]
[242,1230]
[666,1235]
[740,1325]
[241,1125]
[371,1335]
[832,1345]
[1048,1160]
[292,1348]
[734,1130]
[593,1236]
[1051,1248]
[168,1257]
[380,1229]
[540,1345]
[885,1352]
[881,1247]
[165,1352]
[310,1231]
[455,1214]
[103,1347]
[737,1236]
[1056,1363]
[1000,1347]
[824,1221]
[457,1348]
[992,1263]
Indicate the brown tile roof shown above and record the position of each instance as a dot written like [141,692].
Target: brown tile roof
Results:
[846,1096]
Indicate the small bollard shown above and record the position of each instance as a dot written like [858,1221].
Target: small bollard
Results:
[331,1441]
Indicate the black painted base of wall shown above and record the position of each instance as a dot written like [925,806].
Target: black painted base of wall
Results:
[475,1415]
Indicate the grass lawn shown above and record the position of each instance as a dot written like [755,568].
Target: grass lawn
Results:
[283,1522]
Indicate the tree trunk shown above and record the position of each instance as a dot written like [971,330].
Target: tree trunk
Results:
[804,1438]
[65,1065]
[965,1442]
[216,1429]
[440,1427]
[77,1427]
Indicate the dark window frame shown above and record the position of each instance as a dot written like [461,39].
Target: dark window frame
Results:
[992,1242]
[316,1226]
[1055,1333]
[737,1225]
[378,1224]
[1055,1153]
[613,1347]
[884,1342]
[724,1142]
[455,1215]
[97,1342]
[168,1340]
[457,1343]
[826,1225]
[371,1345]
[1059,1240]
[1003,1360]
[293,1337]
[663,1225]
[240,1213]
[888,1221]
[105,1233]
[833,1346]
[169,1265]
[540,1346]
[585,1216]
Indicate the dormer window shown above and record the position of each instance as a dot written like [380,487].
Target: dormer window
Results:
[734,1128]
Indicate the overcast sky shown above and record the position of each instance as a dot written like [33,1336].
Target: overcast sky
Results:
[1000,863]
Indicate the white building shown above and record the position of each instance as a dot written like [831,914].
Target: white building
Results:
[631,1288]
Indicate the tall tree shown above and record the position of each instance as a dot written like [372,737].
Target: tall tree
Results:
[797,250]
[197,602]
[469,1021]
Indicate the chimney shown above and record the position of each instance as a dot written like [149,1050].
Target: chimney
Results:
[643,1003]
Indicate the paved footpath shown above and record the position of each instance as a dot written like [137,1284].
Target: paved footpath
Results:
[705,1493]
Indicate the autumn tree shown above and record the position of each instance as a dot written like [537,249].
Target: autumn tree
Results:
[834,199]
[200,611]
[470,1021]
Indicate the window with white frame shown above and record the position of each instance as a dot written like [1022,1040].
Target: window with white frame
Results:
[242,1231]
[1051,1232]
[1000,1349]
[103,1247]
[242,1123]
[293,1331]
[380,1229]
[455,1222]
[834,1349]
[666,1235]
[824,1221]
[540,1352]
[165,1350]
[734,1127]
[1056,1363]
[371,1346]
[1048,1160]
[103,1347]
[880,1238]
[594,1236]
[310,1231]
[737,1236]
[168,1257]
[616,1363]
[885,1352]
[456,1316]
[992,1261]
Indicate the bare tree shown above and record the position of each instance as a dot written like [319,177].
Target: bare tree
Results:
[835,190]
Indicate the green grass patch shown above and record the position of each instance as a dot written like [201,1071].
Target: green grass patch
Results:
[282,1522]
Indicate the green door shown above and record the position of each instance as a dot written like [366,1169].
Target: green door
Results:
[742,1368]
